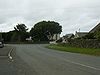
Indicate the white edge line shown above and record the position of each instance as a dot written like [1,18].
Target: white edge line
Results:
[82,65]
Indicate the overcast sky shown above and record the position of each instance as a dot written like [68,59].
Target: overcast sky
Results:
[71,14]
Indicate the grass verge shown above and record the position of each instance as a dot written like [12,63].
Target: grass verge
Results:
[89,51]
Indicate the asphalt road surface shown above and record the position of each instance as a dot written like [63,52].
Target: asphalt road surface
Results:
[35,59]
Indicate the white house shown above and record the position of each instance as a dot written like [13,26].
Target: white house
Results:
[80,34]
[56,37]
[29,39]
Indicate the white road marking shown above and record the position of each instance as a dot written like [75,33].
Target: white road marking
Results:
[10,57]
[9,54]
[82,65]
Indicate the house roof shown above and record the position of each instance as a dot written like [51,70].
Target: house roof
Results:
[81,34]
[95,28]
[69,35]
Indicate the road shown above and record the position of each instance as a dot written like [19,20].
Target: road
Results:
[35,59]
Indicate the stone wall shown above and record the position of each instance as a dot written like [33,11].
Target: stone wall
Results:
[84,43]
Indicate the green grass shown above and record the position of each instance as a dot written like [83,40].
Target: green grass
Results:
[89,51]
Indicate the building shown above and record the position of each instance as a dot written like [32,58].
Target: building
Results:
[69,36]
[65,38]
[29,39]
[56,37]
[80,34]
[96,28]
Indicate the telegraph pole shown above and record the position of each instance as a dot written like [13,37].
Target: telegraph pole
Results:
[79,29]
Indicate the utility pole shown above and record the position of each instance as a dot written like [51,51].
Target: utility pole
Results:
[79,29]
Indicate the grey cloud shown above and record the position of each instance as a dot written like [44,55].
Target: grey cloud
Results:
[71,14]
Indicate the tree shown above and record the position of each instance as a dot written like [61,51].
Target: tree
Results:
[42,31]
[8,36]
[20,32]
[21,28]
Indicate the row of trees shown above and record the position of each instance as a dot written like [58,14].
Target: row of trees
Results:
[19,34]
[41,31]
